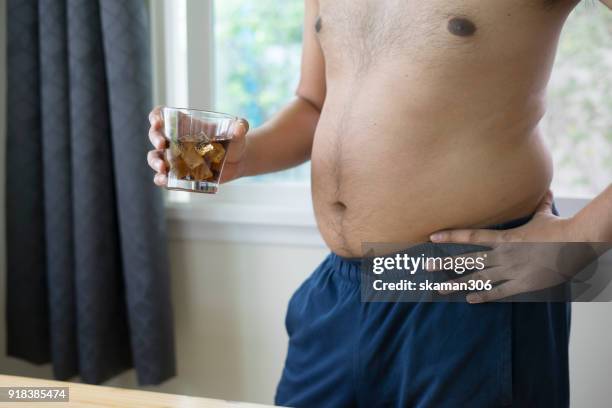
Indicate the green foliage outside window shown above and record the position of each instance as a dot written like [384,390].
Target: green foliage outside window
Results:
[578,125]
[258,50]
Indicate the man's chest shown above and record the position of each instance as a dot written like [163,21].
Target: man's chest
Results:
[363,30]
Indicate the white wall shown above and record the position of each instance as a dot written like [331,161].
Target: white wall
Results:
[230,302]
[591,355]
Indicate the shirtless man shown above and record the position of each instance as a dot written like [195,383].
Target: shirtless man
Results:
[420,117]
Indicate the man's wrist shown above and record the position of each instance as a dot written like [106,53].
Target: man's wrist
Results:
[571,230]
[580,230]
[247,165]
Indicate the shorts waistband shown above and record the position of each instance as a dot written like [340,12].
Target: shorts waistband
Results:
[346,268]
[350,268]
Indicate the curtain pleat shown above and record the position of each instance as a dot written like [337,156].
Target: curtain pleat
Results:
[87,280]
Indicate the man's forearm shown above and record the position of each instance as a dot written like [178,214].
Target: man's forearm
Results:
[594,222]
[284,141]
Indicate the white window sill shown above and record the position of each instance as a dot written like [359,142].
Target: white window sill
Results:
[265,214]
[284,218]
[244,223]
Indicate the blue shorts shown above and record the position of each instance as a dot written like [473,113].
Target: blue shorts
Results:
[346,353]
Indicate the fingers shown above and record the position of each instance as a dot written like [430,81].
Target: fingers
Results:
[490,258]
[502,291]
[157,139]
[469,236]
[546,205]
[238,143]
[155,157]
[156,161]
[160,180]
[493,275]
[241,128]
[155,131]
[155,118]
[230,172]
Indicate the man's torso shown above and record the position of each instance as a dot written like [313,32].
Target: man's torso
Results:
[431,116]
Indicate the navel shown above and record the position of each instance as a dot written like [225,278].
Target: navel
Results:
[461,27]
[318,24]
[339,206]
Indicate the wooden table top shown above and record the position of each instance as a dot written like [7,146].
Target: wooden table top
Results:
[83,395]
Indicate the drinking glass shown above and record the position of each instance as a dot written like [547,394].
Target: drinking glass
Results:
[198,142]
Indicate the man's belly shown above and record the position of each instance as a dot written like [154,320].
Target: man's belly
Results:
[385,169]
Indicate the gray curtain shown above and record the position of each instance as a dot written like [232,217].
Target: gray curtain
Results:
[87,268]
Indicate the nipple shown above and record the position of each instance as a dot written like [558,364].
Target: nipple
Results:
[461,27]
[318,24]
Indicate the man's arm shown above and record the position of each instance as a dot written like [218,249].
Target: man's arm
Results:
[594,222]
[607,3]
[286,139]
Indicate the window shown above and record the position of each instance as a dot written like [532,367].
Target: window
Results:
[254,70]
[578,125]
[257,63]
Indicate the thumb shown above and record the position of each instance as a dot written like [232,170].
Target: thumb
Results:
[546,204]
[240,128]
[238,141]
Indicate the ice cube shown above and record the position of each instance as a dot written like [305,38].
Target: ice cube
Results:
[174,150]
[190,155]
[203,147]
[179,167]
[216,166]
[202,136]
[202,172]
[188,138]
[217,154]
